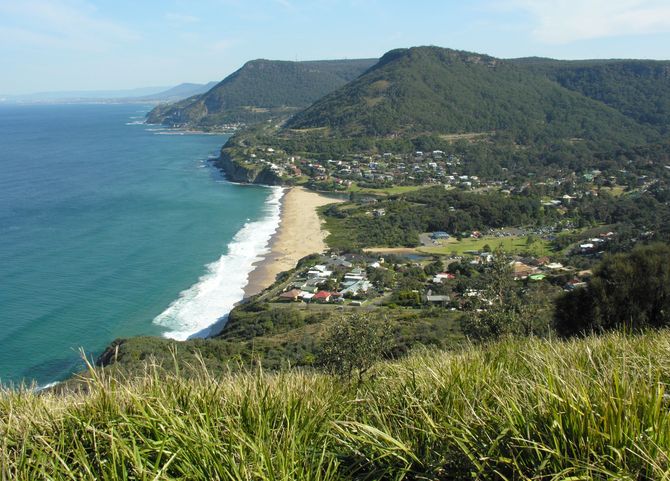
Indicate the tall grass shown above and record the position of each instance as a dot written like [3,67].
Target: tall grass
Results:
[585,409]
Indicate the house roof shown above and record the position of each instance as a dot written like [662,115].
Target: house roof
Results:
[292,294]
[437,298]
[322,295]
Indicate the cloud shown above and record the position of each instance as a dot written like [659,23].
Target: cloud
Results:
[68,24]
[565,21]
[181,18]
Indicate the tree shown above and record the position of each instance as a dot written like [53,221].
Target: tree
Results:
[381,277]
[352,346]
[627,290]
[434,267]
[503,308]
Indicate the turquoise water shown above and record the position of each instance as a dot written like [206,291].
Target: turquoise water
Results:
[110,228]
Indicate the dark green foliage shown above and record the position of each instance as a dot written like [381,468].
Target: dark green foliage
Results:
[352,346]
[381,278]
[261,89]
[408,298]
[639,89]
[420,90]
[278,337]
[627,290]
[505,307]
[260,321]
[434,267]
[427,210]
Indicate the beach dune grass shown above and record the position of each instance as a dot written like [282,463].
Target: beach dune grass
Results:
[595,408]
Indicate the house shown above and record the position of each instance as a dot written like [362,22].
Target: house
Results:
[290,296]
[356,288]
[439,235]
[311,285]
[554,266]
[436,298]
[574,284]
[542,261]
[319,271]
[357,274]
[521,270]
[442,276]
[340,262]
[485,257]
[322,296]
[586,247]
[306,296]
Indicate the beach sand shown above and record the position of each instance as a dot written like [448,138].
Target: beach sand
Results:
[300,233]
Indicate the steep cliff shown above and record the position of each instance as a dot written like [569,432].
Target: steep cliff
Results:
[246,173]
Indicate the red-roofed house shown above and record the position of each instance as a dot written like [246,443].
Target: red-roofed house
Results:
[322,296]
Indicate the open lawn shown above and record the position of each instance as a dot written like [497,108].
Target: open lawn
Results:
[511,245]
[395,190]
[615,191]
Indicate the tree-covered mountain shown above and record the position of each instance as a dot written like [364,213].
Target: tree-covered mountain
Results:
[259,90]
[639,89]
[180,92]
[432,90]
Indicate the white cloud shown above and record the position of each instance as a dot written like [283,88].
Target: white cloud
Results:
[69,24]
[565,21]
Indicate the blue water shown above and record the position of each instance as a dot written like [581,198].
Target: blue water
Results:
[110,228]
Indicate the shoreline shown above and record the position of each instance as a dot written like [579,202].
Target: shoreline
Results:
[299,234]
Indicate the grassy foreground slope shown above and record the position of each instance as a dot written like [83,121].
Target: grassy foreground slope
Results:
[595,408]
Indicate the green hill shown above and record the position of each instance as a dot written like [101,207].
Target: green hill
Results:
[431,90]
[595,408]
[259,90]
[639,89]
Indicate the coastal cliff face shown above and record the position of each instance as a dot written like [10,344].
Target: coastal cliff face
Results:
[238,172]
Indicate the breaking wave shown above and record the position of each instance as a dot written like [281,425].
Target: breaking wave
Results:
[197,309]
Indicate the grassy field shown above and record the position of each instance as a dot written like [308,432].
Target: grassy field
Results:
[511,245]
[395,190]
[615,191]
[590,409]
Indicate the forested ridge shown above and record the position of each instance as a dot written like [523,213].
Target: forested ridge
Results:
[442,91]
[259,89]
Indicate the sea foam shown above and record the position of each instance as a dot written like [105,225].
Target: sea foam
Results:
[204,304]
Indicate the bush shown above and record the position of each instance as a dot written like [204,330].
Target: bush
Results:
[627,290]
[352,346]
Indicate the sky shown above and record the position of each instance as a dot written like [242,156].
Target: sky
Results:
[51,45]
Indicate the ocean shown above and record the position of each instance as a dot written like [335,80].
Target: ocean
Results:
[111,228]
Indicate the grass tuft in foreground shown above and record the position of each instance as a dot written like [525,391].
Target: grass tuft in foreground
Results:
[595,408]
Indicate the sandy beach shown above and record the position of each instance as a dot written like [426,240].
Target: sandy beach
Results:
[300,233]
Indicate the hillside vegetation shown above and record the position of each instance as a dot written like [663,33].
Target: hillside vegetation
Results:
[595,408]
[639,89]
[435,90]
[261,89]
